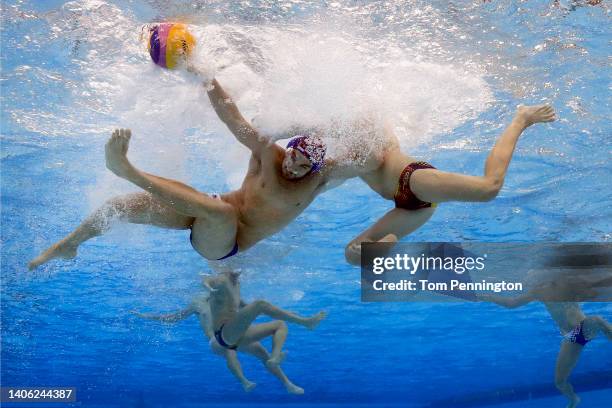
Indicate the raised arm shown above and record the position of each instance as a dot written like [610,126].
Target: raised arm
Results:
[170,317]
[230,115]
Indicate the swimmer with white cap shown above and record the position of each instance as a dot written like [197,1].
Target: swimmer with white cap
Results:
[227,321]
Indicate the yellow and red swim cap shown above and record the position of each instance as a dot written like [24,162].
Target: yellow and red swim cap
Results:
[169,43]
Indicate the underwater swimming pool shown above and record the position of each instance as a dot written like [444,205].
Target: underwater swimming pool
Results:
[448,75]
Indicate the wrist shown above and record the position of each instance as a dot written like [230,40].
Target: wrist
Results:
[521,122]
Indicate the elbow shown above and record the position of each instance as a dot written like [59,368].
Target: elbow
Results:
[491,188]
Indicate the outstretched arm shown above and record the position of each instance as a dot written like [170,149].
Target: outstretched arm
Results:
[168,318]
[230,115]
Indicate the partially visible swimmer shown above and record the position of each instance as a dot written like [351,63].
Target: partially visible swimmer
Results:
[279,184]
[576,328]
[227,322]
[415,186]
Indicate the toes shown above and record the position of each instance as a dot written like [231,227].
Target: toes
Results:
[126,133]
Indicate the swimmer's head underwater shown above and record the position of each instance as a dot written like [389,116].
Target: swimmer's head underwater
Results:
[212,282]
[304,155]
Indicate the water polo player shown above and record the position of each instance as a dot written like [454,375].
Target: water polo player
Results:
[228,323]
[280,183]
[416,186]
[575,326]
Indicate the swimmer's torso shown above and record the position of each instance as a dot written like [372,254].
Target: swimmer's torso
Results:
[266,202]
[567,315]
[224,301]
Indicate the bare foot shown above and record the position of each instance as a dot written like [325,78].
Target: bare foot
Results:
[314,321]
[275,361]
[248,385]
[116,152]
[530,115]
[293,389]
[62,249]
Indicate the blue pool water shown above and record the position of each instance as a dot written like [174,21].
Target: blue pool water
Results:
[449,75]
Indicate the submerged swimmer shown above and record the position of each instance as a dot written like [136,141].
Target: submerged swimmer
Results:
[280,183]
[228,323]
[415,186]
[576,328]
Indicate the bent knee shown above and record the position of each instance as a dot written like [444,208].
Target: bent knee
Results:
[491,188]
[216,348]
[281,325]
[261,304]
[352,254]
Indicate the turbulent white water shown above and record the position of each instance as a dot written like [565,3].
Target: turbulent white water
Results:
[306,72]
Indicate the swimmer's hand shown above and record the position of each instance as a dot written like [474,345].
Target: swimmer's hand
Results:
[116,152]
[194,69]
[206,77]
[530,115]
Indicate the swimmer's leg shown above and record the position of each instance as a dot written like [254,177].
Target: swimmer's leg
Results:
[259,351]
[392,227]
[277,329]
[566,361]
[181,197]
[594,324]
[231,358]
[136,208]
[436,186]
[216,221]
[234,329]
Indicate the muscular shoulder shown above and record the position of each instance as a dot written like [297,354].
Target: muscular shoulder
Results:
[272,152]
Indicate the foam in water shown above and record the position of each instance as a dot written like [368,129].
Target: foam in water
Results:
[280,76]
